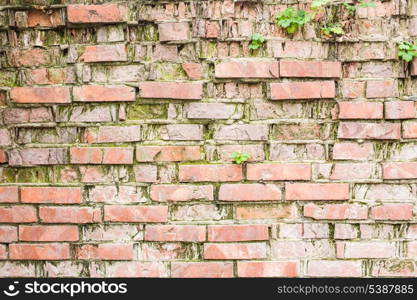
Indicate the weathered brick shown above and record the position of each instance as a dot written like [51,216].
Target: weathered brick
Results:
[400,170]
[364,249]
[252,212]
[237,233]
[9,194]
[361,110]
[8,234]
[247,69]
[353,89]
[95,155]
[168,192]
[216,173]
[334,268]
[268,269]
[135,214]
[303,90]
[353,151]
[137,269]
[278,171]
[354,171]
[194,70]
[27,115]
[336,211]
[172,233]
[104,53]
[46,251]
[392,212]
[37,156]
[249,192]
[40,94]
[40,18]
[18,214]
[213,111]
[183,132]
[410,130]
[302,249]
[105,252]
[113,134]
[103,13]
[145,173]
[52,233]
[29,57]
[242,132]
[202,269]
[171,90]
[379,131]
[167,153]
[312,191]
[314,69]
[99,93]
[59,214]
[400,110]
[57,195]
[234,251]
[174,31]
[381,89]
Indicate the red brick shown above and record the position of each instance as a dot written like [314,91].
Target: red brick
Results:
[174,31]
[361,110]
[18,214]
[268,269]
[59,195]
[93,155]
[51,94]
[53,233]
[278,171]
[365,249]
[145,173]
[303,90]
[381,89]
[237,233]
[40,18]
[334,268]
[113,134]
[400,170]
[379,131]
[194,71]
[336,212]
[400,110]
[23,115]
[29,57]
[8,234]
[216,173]
[212,30]
[100,93]
[136,269]
[201,269]
[105,252]
[104,13]
[410,130]
[169,192]
[171,90]
[37,156]
[312,69]
[353,89]
[413,69]
[252,212]
[395,212]
[247,69]
[353,151]
[234,251]
[103,53]
[353,171]
[175,233]
[313,191]
[9,194]
[135,214]
[167,153]
[249,192]
[50,251]
[49,214]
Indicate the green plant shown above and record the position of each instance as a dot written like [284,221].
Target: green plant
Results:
[256,41]
[291,19]
[240,157]
[407,51]
[350,8]
[318,4]
[363,4]
[332,29]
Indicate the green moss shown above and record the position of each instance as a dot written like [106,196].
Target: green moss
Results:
[8,78]
[147,111]
[27,175]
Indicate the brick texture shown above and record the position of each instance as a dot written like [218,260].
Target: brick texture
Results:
[121,121]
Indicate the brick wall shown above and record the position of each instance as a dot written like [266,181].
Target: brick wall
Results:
[118,121]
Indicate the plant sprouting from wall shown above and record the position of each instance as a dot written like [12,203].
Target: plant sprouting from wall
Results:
[330,30]
[291,20]
[407,50]
[240,157]
[256,41]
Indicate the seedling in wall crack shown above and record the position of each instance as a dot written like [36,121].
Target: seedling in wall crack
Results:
[240,157]
[291,20]
[257,41]
[407,51]
[330,30]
